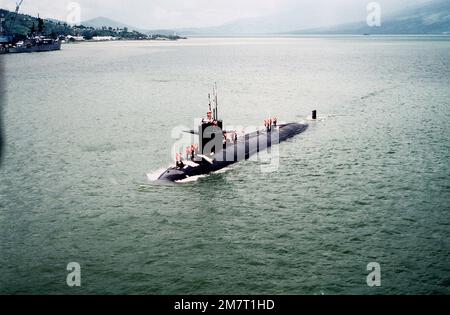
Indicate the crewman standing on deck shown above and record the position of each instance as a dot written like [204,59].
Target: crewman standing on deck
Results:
[192,152]
[196,149]
[179,158]
[181,161]
[188,152]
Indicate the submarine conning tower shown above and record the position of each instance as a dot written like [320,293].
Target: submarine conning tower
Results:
[211,137]
[211,129]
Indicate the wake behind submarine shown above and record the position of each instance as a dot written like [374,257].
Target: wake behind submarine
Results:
[217,149]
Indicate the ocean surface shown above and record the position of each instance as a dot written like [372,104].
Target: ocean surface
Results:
[85,127]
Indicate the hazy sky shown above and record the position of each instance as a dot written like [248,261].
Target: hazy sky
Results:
[198,13]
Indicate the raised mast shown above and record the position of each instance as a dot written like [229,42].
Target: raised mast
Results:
[216,113]
[209,102]
[13,20]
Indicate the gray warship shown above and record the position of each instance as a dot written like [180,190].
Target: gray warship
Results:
[33,43]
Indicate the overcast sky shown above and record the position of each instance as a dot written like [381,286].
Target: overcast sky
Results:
[152,14]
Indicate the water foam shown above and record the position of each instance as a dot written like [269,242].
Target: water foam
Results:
[190,179]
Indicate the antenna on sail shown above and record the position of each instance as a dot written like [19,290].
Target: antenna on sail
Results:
[216,113]
[209,101]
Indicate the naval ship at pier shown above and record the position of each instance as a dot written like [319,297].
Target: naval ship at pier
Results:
[33,43]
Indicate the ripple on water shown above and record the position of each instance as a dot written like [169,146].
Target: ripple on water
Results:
[368,181]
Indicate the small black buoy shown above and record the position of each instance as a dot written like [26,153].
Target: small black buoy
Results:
[314,114]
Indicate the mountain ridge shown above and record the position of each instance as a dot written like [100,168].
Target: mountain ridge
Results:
[101,21]
[430,18]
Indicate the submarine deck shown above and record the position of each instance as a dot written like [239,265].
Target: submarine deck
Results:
[245,147]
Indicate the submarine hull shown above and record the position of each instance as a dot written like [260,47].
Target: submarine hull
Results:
[234,152]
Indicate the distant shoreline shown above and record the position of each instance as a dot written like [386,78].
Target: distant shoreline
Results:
[317,35]
[121,40]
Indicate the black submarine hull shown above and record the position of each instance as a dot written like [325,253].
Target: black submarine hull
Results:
[234,152]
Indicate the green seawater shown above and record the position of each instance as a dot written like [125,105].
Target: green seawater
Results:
[368,182]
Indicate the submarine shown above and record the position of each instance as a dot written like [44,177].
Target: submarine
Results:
[216,150]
